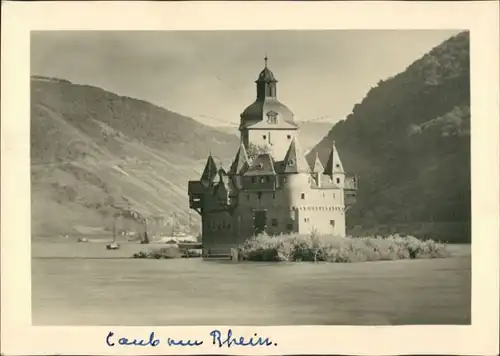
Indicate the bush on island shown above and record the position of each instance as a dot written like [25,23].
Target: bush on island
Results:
[317,248]
[169,252]
[159,253]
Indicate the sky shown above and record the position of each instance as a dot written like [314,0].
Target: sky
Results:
[209,75]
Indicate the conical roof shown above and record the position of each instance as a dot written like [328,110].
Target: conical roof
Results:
[334,165]
[295,160]
[223,183]
[266,75]
[318,166]
[241,163]
[210,171]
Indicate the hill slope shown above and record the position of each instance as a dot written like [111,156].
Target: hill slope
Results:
[312,132]
[94,152]
[409,142]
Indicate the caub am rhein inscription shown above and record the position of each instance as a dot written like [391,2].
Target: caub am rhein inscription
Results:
[178,179]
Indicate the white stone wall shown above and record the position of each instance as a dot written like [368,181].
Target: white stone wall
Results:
[278,140]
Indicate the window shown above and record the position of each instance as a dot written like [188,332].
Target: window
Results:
[302,196]
[333,195]
[306,219]
[262,179]
[289,136]
[338,180]
[289,227]
[272,117]
[253,179]
[291,162]
[274,195]
[332,222]
[337,165]
[264,137]
[274,222]
[259,195]
[284,179]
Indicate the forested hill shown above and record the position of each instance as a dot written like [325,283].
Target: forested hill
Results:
[93,152]
[409,142]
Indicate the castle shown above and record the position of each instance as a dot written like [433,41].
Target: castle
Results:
[270,187]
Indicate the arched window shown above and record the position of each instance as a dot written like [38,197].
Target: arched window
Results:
[272,117]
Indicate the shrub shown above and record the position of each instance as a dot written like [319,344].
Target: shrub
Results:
[316,248]
[158,253]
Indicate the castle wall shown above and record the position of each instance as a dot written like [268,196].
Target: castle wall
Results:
[278,140]
[295,208]
[319,210]
[280,218]
[220,232]
[321,219]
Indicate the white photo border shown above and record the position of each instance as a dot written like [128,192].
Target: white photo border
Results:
[19,337]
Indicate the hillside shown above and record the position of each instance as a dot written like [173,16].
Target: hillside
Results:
[312,132]
[409,142]
[94,152]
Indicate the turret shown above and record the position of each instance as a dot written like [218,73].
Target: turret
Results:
[334,167]
[295,161]
[209,172]
[267,122]
[222,189]
[266,83]
[318,170]
[241,162]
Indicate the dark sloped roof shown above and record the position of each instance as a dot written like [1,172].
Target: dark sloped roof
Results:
[318,166]
[258,110]
[334,165]
[240,164]
[262,165]
[266,76]
[210,171]
[295,161]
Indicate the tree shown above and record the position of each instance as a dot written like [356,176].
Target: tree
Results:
[254,150]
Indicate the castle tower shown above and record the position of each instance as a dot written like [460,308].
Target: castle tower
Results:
[267,122]
[334,168]
[209,172]
[295,161]
[275,191]
[318,170]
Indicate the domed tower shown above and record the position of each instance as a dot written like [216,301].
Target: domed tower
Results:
[267,122]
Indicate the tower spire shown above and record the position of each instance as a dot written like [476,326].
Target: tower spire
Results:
[265,60]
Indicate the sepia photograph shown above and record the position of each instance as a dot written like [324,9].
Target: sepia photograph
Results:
[250,177]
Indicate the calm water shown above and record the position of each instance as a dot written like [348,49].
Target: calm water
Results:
[69,288]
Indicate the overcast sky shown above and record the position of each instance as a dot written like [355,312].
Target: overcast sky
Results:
[212,73]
